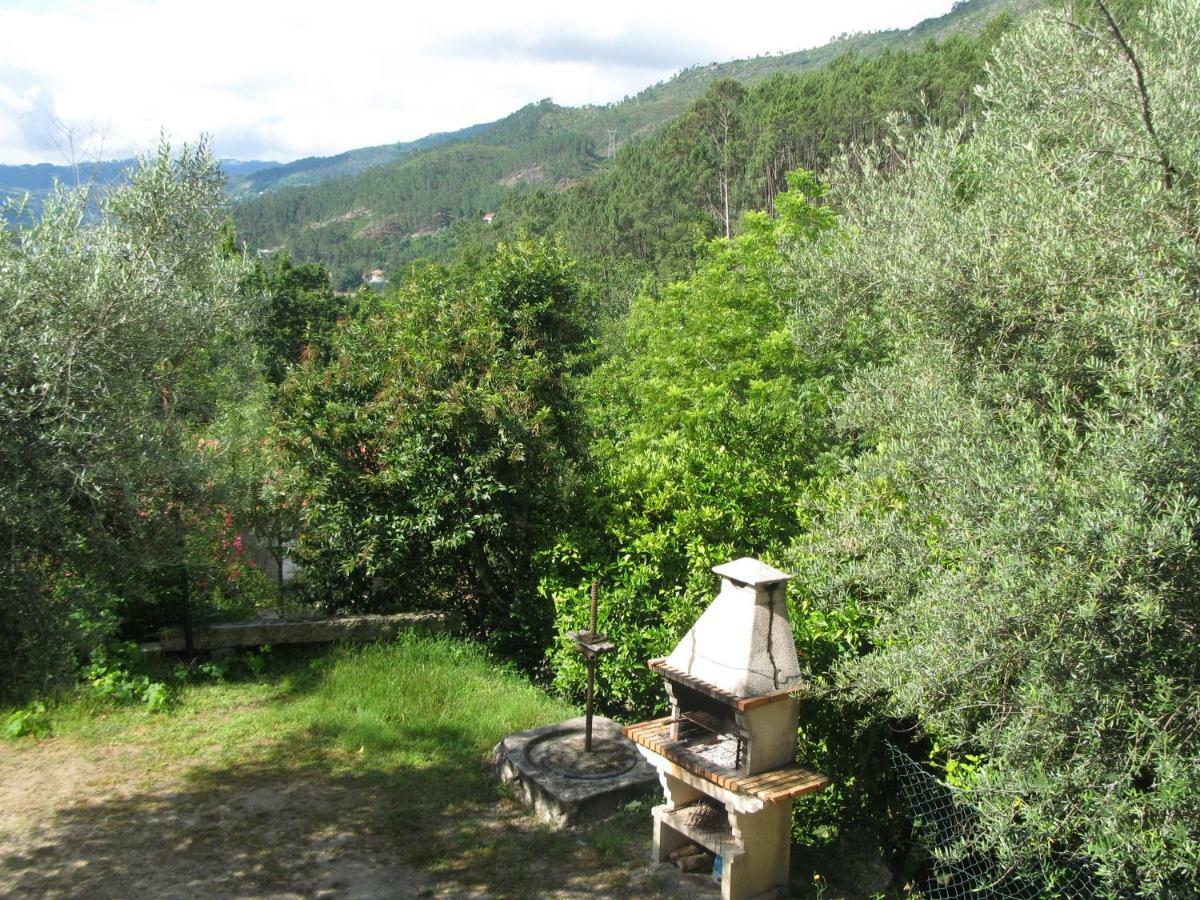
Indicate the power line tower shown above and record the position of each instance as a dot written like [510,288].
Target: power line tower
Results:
[612,142]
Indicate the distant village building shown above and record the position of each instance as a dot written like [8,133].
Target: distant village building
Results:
[487,218]
[376,278]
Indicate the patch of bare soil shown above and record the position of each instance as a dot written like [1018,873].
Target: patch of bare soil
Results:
[385,227]
[528,175]
[104,823]
[113,822]
[350,215]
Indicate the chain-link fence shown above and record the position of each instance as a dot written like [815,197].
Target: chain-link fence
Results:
[959,871]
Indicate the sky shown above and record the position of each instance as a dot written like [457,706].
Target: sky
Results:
[283,80]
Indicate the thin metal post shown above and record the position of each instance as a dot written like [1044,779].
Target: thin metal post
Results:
[593,628]
[591,684]
[592,644]
[587,735]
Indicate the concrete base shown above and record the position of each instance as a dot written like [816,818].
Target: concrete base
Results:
[754,843]
[563,784]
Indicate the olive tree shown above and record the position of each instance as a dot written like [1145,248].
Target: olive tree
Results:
[124,345]
[1023,524]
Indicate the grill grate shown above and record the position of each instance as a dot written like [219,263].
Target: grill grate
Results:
[714,739]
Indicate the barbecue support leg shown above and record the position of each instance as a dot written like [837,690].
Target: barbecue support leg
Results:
[766,841]
[666,839]
[677,794]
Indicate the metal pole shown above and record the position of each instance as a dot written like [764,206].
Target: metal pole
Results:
[587,736]
[593,630]
[591,684]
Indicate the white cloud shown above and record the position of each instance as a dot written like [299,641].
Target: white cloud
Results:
[287,79]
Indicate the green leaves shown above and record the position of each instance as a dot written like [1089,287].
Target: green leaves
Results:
[1022,528]
[300,311]
[32,721]
[707,423]
[430,443]
[125,350]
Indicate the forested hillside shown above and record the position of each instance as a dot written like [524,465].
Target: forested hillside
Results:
[315,169]
[392,214]
[34,183]
[731,151]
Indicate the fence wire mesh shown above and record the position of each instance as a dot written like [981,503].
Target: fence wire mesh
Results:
[960,871]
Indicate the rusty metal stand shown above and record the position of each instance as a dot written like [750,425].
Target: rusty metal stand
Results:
[592,645]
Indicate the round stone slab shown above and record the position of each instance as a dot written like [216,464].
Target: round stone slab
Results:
[563,752]
[550,771]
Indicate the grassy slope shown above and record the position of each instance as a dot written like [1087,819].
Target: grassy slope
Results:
[391,741]
[414,705]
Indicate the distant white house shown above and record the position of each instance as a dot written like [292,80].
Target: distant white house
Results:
[376,276]
[487,218]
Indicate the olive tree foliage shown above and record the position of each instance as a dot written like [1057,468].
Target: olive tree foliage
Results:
[122,343]
[1024,523]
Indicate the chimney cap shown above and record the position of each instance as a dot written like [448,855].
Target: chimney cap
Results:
[748,570]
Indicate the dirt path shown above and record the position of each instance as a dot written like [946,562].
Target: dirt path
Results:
[97,823]
[113,821]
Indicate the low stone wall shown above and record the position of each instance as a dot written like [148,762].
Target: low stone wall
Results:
[306,631]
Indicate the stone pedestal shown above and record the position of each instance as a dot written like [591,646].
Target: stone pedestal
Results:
[564,784]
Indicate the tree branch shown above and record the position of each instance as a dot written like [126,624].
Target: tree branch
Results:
[1170,173]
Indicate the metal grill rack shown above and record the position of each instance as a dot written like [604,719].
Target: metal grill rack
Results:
[718,741]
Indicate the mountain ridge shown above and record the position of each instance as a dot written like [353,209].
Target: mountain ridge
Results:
[541,145]
[668,98]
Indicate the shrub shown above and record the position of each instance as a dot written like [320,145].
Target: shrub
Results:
[429,445]
[33,720]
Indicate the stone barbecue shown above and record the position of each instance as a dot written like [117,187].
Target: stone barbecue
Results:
[725,755]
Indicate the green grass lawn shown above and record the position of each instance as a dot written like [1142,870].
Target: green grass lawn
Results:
[387,744]
[413,705]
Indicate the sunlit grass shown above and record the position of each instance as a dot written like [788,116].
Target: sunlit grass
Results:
[403,731]
[409,703]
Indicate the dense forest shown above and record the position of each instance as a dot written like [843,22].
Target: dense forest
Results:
[931,347]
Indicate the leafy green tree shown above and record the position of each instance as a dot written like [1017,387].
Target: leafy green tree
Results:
[1023,528]
[430,443]
[300,312]
[709,427]
[717,119]
[125,348]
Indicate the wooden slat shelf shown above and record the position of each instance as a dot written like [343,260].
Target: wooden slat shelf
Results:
[770,787]
[711,690]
